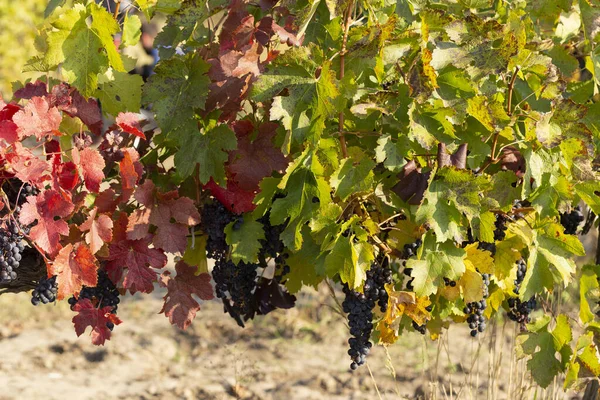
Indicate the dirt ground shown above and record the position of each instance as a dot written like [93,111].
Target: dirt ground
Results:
[294,354]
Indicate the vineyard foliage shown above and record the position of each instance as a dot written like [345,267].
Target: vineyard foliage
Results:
[435,159]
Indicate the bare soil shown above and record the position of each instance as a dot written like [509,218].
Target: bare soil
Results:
[294,354]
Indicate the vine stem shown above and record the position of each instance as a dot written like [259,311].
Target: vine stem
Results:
[117,6]
[511,86]
[347,17]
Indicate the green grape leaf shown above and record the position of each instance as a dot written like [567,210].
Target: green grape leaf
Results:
[590,14]
[588,191]
[304,90]
[451,193]
[489,112]
[350,260]
[185,24]
[542,345]
[208,148]
[245,240]
[305,194]
[588,283]
[353,177]
[119,92]
[391,152]
[307,266]
[550,255]
[131,30]
[83,49]
[504,190]
[195,254]
[178,87]
[446,260]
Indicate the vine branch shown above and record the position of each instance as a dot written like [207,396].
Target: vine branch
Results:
[511,86]
[117,6]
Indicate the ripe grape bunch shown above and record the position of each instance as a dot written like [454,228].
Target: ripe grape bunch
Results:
[519,311]
[571,220]
[11,248]
[359,307]
[239,287]
[521,271]
[475,310]
[11,233]
[45,291]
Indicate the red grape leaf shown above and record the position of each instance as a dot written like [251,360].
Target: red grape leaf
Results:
[32,89]
[234,198]
[254,160]
[131,171]
[91,164]
[512,159]
[69,100]
[412,184]
[8,132]
[130,123]
[86,110]
[37,119]
[65,175]
[99,230]
[106,201]
[74,267]
[137,257]
[171,215]
[26,166]
[97,318]
[138,224]
[180,307]
[48,208]
[145,193]
[457,160]
[8,111]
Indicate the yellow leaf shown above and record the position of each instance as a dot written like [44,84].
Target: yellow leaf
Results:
[406,303]
[387,335]
[494,302]
[450,293]
[508,252]
[481,259]
[471,284]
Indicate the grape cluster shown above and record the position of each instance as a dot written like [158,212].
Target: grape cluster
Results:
[11,249]
[571,220]
[410,249]
[491,247]
[359,308]
[519,310]
[12,233]
[500,227]
[271,245]
[475,310]
[374,288]
[104,294]
[521,271]
[235,286]
[215,217]
[45,291]
[242,292]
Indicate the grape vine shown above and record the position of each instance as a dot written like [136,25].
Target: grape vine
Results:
[433,163]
